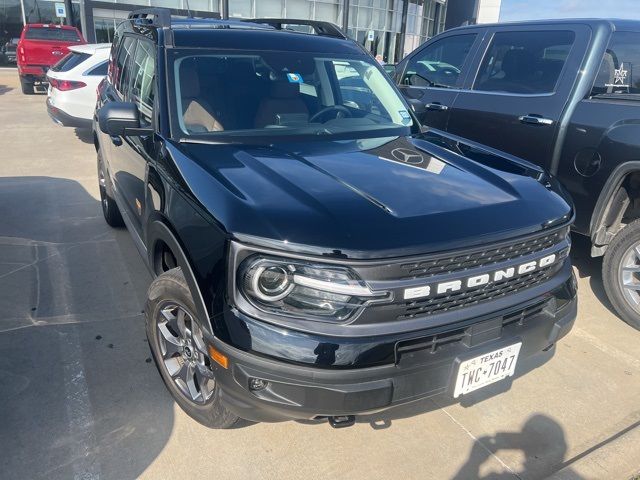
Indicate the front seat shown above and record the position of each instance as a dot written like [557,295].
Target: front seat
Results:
[198,115]
[518,67]
[284,98]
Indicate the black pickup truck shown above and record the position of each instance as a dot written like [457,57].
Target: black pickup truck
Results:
[562,94]
[316,253]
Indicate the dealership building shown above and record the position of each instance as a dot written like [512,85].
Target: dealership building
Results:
[391,28]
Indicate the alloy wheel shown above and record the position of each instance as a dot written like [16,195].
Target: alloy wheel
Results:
[629,276]
[184,354]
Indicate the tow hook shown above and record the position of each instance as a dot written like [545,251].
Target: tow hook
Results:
[342,421]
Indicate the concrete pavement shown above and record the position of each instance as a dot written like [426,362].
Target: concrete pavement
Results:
[79,397]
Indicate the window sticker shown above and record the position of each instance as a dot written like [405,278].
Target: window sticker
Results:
[619,77]
[294,78]
[406,117]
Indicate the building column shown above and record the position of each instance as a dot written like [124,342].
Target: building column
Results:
[345,17]
[90,33]
[83,20]
[24,16]
[69,8]
[403,31]
[224,9]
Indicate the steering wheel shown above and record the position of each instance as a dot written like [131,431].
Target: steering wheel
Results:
[339,109]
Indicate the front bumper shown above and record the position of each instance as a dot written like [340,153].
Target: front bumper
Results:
[66,120]
[421,367]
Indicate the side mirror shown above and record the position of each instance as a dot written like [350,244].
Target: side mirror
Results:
[120,119]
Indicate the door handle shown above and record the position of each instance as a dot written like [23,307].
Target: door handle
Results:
[436,106]
[535,120]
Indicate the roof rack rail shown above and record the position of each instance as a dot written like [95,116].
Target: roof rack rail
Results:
[160,17]
[327,29]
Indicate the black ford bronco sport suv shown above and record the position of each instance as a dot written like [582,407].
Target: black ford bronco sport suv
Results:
[564,94]
[315,252]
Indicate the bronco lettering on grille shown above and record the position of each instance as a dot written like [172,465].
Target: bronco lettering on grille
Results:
[476,281]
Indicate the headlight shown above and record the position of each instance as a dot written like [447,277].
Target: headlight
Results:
[304,290]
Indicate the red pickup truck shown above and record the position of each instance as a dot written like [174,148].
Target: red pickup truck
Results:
[42,45]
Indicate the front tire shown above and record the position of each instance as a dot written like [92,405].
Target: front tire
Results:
[109,206]
[180,353]
[621,273]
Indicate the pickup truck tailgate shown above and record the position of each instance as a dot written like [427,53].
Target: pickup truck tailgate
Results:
[46,44]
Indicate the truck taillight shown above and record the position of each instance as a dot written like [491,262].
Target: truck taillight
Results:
[66,85]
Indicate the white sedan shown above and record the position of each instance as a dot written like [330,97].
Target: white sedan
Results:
[73,82]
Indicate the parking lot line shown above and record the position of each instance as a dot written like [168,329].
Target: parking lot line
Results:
[85,463]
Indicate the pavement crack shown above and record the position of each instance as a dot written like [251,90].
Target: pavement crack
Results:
[70,319]
[63,248]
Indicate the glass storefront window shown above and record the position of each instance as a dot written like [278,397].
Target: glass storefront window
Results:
[327,12]
[10,24]
[271,8]
[38,11]
[104,28]
[375,24]
[167,3]
[425,19]
[202,5]
[298,9]
[139,2]
[240,8]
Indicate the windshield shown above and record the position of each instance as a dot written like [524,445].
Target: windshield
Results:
[52,33]
[284,93]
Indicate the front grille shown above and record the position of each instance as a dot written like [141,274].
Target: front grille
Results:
[457,300]
[433,342]
[456,263]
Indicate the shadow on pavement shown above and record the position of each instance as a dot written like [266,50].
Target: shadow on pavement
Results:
[79,394]
[4,89]
[85,135]
[541,441]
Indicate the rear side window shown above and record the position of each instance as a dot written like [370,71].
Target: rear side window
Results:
[100,69]
[123,66]
[72,60]
[619,71]
[439,64]
[524,62]
[142,86]
[52,33]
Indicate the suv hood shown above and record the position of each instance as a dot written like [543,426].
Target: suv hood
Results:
[370,197]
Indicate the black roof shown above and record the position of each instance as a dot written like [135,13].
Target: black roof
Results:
[612,23]
[213,23]
[262,39]
[247,34]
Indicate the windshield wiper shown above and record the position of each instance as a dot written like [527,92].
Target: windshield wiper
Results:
[205,142]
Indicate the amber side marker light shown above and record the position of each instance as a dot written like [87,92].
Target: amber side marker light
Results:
[218,357]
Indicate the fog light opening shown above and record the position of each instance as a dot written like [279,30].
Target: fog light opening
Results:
[256,384]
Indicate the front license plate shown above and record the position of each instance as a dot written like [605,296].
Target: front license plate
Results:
[486,369]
